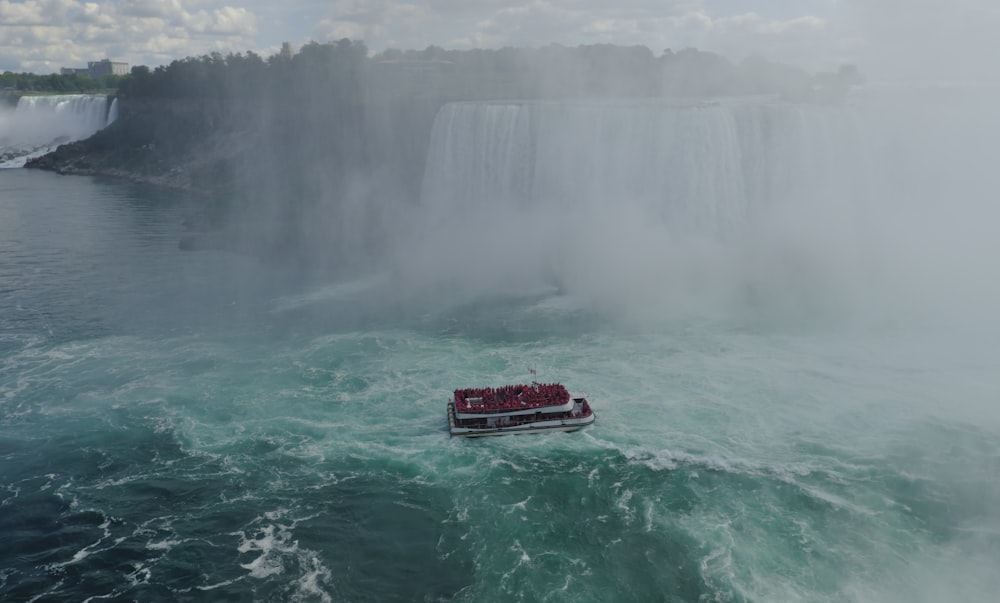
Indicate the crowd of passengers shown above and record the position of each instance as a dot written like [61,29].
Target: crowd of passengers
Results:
[511,397]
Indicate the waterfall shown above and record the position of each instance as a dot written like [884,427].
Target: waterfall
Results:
[38,124]
[644,191]
[113,111]
[709,169]
[797,209]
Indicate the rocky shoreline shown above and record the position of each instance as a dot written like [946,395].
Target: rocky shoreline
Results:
[75,159]
[195,169]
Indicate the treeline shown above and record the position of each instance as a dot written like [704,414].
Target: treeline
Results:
[308,151]
[276,136]
[58,83]
[250,75]
[601,70]
[316,122]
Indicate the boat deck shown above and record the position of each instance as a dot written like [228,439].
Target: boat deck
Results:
[510,398]
[574,415]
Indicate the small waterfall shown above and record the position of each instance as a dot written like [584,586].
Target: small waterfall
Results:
[113,111]
[40,123]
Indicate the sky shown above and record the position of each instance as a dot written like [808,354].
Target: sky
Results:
[887,39]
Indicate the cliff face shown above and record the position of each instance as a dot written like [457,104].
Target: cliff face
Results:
[280,177]
[310,156]
[216,146]
[315,124]
[176,143]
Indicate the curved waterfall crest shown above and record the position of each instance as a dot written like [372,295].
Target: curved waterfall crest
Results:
[792,209]
[86,111]
[710,169]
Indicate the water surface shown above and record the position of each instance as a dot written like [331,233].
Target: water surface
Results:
[205,426]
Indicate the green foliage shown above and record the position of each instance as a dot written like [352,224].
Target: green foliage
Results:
[329,108]
[245,75]
[285,139]
[343,70]
[73,83]
[599,70]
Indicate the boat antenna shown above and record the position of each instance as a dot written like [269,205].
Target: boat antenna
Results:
[534,374]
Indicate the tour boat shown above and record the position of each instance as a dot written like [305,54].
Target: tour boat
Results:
[477,412]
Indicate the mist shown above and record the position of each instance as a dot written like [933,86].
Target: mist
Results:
[875,213]
[924,41]
[778,289]
[643,187]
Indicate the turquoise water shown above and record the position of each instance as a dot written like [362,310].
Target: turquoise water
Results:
[203,426]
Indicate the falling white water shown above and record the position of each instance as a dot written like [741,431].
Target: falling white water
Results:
[797,210]
[113,111]
[704,169]
[38,124]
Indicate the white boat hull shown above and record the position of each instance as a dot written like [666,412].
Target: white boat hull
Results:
[565,424]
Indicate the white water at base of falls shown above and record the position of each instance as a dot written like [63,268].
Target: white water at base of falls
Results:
[38,124]
[806,212]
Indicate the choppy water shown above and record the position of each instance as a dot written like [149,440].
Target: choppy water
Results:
[200,426]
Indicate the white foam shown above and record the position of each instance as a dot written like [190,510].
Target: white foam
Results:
[268,562]
[273,543]
[522,506]
[92,548]
[623,504]
[668,460]
[163,545]
[207,587]
[140,574]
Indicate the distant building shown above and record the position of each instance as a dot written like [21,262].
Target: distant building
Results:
[286,51]
[96,69]
[106,67]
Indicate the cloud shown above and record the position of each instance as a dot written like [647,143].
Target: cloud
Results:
[91,14]
[893,36]
[926,39]
[147,8]
[44,35]
[34,12]
[225,21]
[385,23]
[807,39]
